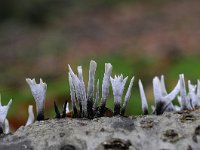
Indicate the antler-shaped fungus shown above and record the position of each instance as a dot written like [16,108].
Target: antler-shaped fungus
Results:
[39,92]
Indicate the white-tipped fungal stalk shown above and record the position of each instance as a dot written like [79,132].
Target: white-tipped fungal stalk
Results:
[162,101]
[118,84]
[184,99]
[6,127]
[170,106]
[97,96]
[127,96]
[90,89]
[73,97]
[39,94]
[162,84]
[105,89]
[76,83]
[183,93]
[143,99]
[106,82]
[82,92]
[31,117]
[3,114]
[192,94]
[92,70]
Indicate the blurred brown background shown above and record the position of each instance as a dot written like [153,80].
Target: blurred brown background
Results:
[38,38]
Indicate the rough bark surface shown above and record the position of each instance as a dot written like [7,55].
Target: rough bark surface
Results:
[178,131]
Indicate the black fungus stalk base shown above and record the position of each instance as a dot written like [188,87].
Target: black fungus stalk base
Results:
[40,117]
[117,108]
[160,108]
[174,131]
[90,109]
[1,128]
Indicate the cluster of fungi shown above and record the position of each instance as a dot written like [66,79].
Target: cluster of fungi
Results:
[86,102]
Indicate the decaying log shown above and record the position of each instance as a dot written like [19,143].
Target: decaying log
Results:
[180,131]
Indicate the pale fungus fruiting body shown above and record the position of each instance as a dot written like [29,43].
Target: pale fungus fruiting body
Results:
[39,94]
[105,89]
[118,84]
[79,86]
[6,127]
[3,114]
[127,97]
[31,117]
[183,98]
[143,99]
[90,89]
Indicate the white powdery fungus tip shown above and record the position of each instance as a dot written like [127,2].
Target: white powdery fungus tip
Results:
[3,114]
[31,117]
[106,82]
[90,89]
[39,94]
[72,91]
[163,87]
[105,89]
[183,94]
[80,73]
[192,94]
[118,84]
[82,91]
[6,127]
[75,82]
[127,96]
[4,111]
[143,98]
[157,90]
